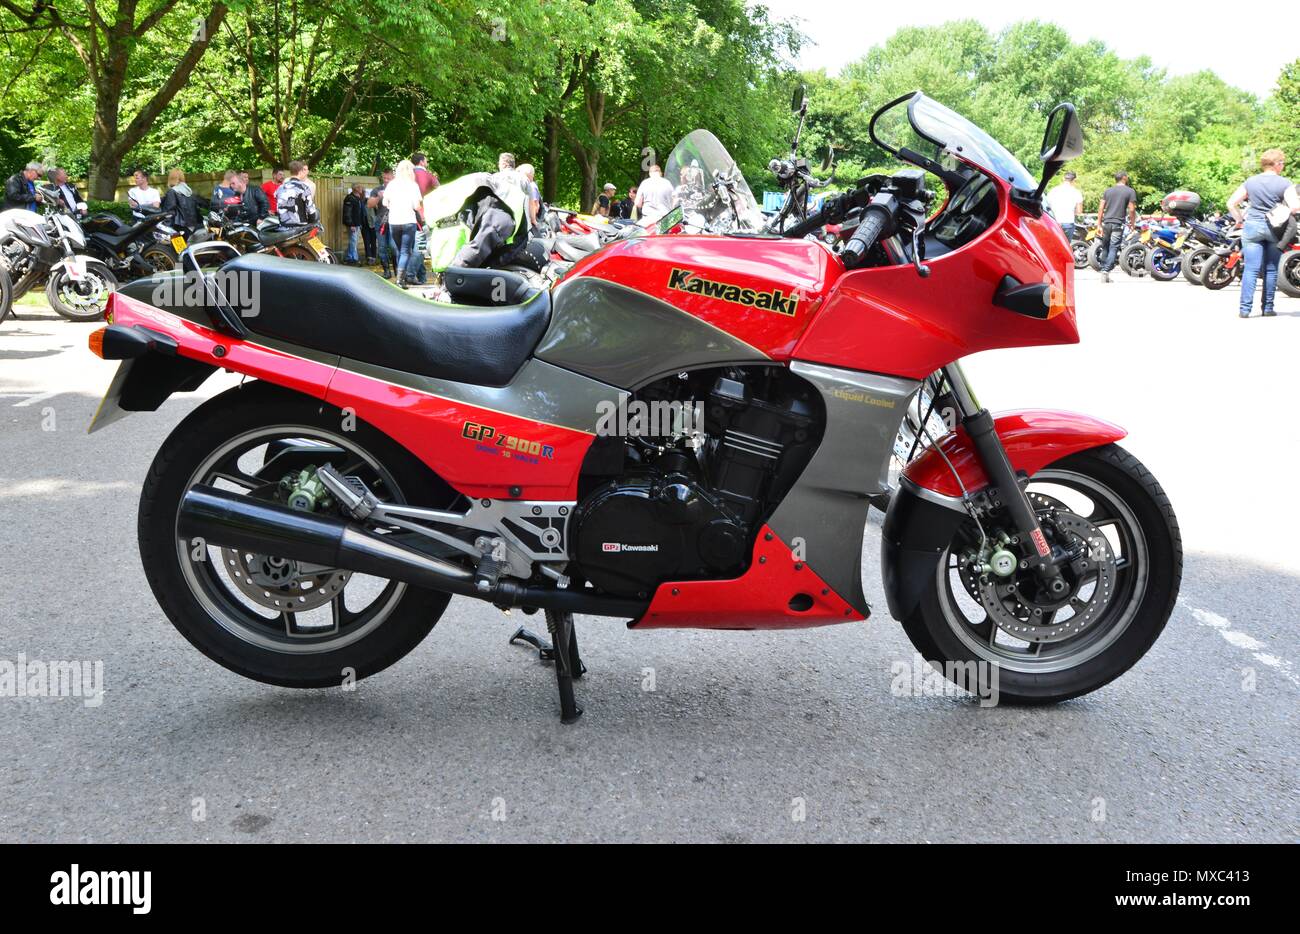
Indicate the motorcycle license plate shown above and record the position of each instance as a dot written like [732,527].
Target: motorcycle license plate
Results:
[316,244]
[178,243]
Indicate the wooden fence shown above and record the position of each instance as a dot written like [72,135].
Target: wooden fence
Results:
[330,191]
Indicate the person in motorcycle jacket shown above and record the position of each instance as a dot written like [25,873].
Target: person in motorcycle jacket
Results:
[69,198]
[500,213]
[295,200]
[20,188]
[182,204]
[253,203]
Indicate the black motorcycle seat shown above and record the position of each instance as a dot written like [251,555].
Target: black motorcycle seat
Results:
[352,312]
[269,235]
[124,233]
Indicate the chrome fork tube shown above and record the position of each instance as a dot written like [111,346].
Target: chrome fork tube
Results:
[993,457]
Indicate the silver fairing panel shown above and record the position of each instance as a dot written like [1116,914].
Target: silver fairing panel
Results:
[625,338]
[827,506]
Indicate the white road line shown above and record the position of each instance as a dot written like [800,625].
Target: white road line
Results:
[1241,640]
[32,400]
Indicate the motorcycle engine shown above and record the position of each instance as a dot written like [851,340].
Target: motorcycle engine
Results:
[685,503]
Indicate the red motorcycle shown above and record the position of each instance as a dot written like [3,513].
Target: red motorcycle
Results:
[685,433]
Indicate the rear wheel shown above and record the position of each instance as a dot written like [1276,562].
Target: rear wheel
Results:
[1080,250]
[988,632]
[1194,264]
[160,256]
[6,294]
[1288,274]
[1096,253]
[1133,259]
[83,298]
[1163,264]
[262,616]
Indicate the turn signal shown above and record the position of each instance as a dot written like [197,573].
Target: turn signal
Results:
[96,342]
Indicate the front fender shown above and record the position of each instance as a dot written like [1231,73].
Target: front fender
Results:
[927,509]
[1032,439]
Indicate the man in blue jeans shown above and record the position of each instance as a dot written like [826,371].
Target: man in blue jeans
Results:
[1259,247]
[1118,203]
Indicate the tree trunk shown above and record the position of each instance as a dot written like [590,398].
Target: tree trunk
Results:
[105,159]
[590,172]
[550,159]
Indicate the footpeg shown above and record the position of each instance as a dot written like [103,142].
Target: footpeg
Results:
[545,651]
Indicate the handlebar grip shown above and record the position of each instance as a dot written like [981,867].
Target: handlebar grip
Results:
[864,237]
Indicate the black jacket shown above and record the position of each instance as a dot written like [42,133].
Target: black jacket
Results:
[19,192]
[254,204]
[184,207]
[354,211]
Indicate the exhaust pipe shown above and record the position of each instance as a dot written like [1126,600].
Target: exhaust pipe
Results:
[230,520]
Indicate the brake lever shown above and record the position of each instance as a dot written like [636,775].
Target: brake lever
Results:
[918,250]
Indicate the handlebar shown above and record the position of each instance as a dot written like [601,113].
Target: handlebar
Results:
[874,221]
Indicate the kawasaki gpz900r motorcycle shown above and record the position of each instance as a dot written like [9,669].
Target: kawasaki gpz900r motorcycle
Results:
[685,432]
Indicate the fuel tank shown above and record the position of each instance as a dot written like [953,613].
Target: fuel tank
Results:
[645,308]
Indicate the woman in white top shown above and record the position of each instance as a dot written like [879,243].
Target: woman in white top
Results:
[142,196]
[402,198]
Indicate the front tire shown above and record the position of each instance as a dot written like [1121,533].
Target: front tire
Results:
[1216,275]
[83,300]
[1146,553]
[1194,264]
[1133,259]
[1163,264]
[210,594]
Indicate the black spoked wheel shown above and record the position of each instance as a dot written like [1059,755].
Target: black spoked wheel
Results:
[1107,511]
[1217,273]
[1133,259]
[1194,264]
[264,616]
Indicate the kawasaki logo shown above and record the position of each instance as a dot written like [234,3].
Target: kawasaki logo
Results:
[683,280]
[623,546]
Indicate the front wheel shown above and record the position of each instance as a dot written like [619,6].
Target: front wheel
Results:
[1080,250]
[1133,259]
[1288,274]
[1002,635]
[1096,254]
[1217,274]
[6,294]
[263,616]
[83,298]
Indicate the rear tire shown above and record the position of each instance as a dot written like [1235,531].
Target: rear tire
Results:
[1163,264]
[211,613]
[1133,259]
[1142,602]
[1095,254]
[1194,264]
[6,294]
[160,256]
[1288,274]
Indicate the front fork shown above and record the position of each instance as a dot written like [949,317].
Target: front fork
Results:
[1035,551]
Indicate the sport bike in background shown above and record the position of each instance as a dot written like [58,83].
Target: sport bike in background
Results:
[685,432]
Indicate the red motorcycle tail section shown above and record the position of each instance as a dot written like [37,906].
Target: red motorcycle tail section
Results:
[777,592]
[1033,439]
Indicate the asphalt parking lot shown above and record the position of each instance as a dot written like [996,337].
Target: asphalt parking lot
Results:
[744,737]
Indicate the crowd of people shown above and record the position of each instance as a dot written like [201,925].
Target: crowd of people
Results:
[1263,207]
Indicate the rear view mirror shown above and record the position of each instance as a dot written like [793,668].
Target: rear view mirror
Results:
[829,159]
[1063,139]
[797,101]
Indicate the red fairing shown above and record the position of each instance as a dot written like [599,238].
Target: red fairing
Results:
[1033,439]
[889,319]
[434,430]
[764,597]
[430,427]
[198,343]
[795,274]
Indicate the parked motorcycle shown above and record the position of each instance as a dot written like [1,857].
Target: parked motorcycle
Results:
[45,249]
[685,432]
[1224,267]
[292,241]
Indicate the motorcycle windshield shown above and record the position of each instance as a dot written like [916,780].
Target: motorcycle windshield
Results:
[708,183]
[927,127]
